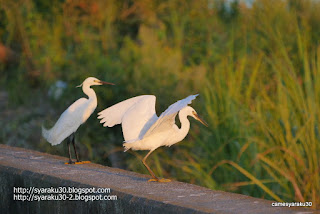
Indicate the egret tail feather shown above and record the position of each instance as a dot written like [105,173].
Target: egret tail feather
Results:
[47,134]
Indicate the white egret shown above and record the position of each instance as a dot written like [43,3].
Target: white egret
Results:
[144,130]
[73,117]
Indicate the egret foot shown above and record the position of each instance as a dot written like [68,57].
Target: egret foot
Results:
[82,162]
[162,180]
[70,162]
[77,162]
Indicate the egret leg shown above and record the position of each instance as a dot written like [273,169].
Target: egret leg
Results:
[68,144]
[74,147]
[155,178]
[75,151]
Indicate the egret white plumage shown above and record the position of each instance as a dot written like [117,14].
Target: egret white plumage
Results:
[73,117]
[144,130]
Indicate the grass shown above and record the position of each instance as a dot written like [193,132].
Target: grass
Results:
[256,69]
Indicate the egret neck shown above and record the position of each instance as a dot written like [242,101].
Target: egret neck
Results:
[185,126]
[92,104]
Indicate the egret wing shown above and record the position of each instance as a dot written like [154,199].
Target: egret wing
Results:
[69,122]
[135,114]
[138,119]
[167,118]
[114,115]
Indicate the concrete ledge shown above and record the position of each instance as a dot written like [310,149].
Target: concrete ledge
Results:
[25,168]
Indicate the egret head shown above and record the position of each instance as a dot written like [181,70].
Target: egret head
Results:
[191,112]
[94,81]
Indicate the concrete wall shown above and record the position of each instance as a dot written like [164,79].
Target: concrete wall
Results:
[34,170]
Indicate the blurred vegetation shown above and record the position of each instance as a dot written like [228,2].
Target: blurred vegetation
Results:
[256,68]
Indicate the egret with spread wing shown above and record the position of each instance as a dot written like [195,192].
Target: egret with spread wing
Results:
[143,130]
[73,117]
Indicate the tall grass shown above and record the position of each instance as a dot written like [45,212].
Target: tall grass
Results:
[256,69]
[288,127]
[263,108]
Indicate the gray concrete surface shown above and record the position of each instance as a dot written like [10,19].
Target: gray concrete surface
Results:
[24,168]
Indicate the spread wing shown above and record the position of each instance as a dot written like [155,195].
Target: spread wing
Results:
[135,114]
[167,118]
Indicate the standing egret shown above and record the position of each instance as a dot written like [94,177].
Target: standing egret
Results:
[144,130]
[73,117]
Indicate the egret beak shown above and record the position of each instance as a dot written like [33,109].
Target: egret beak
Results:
[106,83]
[200,120]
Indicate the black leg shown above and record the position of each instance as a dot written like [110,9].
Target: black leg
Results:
[68,144]
[74,147]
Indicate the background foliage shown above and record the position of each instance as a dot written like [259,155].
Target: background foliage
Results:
[256,68]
